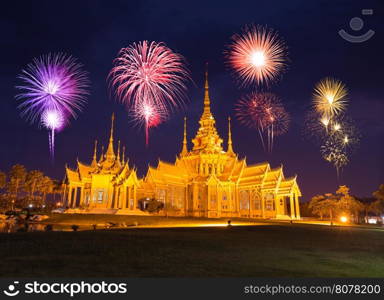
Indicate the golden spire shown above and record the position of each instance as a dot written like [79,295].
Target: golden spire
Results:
[185,146]
[230,149]
[110,152]
[118,150]
[123,155]
[94,161]
[207,138]
[102,154]
[207,100]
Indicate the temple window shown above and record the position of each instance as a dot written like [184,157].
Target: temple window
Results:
[100,195]
[224,196]
[244,200]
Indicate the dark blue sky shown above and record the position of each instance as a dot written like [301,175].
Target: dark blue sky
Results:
[94,31]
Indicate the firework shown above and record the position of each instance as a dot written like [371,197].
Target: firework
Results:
[339,138]
[257,55]
[149,75]
[149,116]
[53,89]
[264,112]
[328,124]
[334,152]
[53,120]
[329,98]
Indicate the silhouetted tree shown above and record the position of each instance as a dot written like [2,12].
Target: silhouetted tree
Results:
[332,204]
[3,180]
[32,183]
[17,176]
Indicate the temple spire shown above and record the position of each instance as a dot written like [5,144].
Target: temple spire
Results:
[102,154]
[207,100]
[185,146]
[94,161]
[207,138]
[229,149]
[110,152]
[123,155]
[118,150]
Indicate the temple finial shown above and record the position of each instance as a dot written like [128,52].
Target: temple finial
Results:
[207,101]
[110,152]
[123,155]
[102,154]
[185,146]
[230,149]
[94,161]
[118,150]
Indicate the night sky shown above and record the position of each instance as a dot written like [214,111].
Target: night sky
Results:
[94,32]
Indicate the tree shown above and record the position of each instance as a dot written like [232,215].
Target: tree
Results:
[347,203]
[46,187]
[324,205]
[32,183]
[379,194]
[332,204]
[3,180]
[17,176]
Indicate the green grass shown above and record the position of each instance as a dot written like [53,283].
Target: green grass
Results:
[252,251]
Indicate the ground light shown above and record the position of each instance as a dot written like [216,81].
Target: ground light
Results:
[343,219]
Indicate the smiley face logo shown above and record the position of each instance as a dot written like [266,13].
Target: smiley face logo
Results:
[12,291]
[356,24]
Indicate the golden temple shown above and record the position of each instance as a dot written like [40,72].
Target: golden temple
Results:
[206,181]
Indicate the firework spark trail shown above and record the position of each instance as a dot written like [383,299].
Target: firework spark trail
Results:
[264,112]
[149,76]
[257,55]
[53,88]
[151,117]
[333,152]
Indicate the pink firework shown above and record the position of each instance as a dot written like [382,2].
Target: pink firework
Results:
[264,112]
[257,55]
[149,74]
[150,116]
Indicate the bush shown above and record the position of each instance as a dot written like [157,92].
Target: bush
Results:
[154,206]
[48,227]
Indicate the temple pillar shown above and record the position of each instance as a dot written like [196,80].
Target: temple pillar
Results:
[124,198]
[130,204]
[134,197]
[109,198]
[116,197]
[74,200]
[249,203]
[69,197]
[219,197]
[297,206]
[237,200]
[292,206]
[185,200]
[119,199]
[82,191]
[263,206]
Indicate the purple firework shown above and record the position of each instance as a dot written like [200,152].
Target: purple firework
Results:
[54,87]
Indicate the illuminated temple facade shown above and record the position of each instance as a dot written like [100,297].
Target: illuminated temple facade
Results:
[107,184]
[205,181]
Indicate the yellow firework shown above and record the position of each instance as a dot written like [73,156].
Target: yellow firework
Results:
[330,97]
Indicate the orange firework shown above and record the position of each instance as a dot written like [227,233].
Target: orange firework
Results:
[257,55]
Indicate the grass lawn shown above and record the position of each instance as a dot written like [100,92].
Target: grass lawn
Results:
[244,251]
